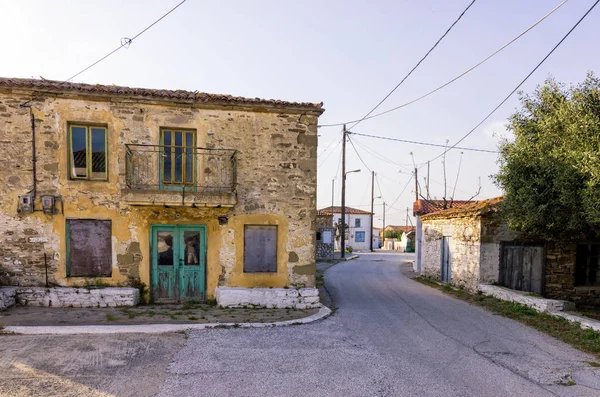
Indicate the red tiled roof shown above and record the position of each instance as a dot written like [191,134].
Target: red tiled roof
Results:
[422,207]
[403,229]
[349,210]
[323,213]
[473,208]
[51,86]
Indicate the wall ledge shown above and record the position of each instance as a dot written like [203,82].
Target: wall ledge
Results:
[281,298]
[538,303]
[77,297]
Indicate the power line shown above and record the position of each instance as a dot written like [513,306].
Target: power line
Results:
[520,84]
[405,186]
[380,156]
[326,157]
[358,154]
[416,66]
[422,143]
[125,42]
[455,78]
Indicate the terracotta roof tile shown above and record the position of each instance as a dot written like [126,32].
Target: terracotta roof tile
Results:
[52,86]
[422,207]
[473,208]
[403,229]
[349,210]
[323,213]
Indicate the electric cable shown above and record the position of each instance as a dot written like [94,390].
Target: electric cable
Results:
[455,78]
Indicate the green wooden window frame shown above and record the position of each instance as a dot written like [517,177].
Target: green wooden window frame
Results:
[88,171]
[169,149]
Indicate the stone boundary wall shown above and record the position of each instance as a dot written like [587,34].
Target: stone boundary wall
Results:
[7,297]
[303,298]
[538,303]
[77,297]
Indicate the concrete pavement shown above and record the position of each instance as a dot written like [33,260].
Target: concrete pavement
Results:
[390,336]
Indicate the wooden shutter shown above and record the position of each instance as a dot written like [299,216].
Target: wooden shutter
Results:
[260,249]
[89,248]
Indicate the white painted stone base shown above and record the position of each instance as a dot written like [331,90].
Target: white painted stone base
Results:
[7,297]
[77,297]
[303,298]
[537,303]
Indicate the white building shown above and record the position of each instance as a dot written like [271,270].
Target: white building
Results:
[358,227]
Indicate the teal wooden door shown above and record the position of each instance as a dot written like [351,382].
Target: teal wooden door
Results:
[178,263]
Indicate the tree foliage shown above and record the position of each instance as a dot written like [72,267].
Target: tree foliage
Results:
[550,173]
[393,234]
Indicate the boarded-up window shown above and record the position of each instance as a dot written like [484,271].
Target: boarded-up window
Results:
[260,249]
[89,252]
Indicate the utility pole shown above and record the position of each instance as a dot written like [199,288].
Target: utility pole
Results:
[406,222]
[372,199]
[416,184]
[332,197]
[384,221]
[343,226]
[428,180]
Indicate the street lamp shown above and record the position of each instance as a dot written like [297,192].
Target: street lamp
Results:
[343,230]
[383,228]
[372,212]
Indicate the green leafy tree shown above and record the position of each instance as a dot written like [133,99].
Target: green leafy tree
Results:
[392,234]
[550,173]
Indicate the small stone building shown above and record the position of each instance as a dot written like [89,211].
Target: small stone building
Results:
[185,192]
[471,245]
[325,235]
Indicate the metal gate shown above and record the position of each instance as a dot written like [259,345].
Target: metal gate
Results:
[446,272]
[522,267]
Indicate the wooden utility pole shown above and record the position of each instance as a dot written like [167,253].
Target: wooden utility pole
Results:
[428,181]
[332,197]
[343,226]
[416,184]
[372,199]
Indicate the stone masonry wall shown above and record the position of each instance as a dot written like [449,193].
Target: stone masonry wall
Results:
[78,297]
[325,251]
[464,236]
[303,298]
[276,184]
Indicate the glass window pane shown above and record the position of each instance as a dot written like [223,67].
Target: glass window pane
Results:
[164,246]
[78,152]
[189,157]
[167,165]
[192,248]
[98,153]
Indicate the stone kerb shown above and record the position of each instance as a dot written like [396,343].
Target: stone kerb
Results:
[77,297]
[7,297]
[535,302]
[281,298]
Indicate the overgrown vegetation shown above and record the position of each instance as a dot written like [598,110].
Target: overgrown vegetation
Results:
[586,340]
[549,173]
[392,234]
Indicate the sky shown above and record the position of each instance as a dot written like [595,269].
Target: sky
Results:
[346,54]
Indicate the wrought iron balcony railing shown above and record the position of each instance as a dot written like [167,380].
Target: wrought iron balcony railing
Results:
[188,169]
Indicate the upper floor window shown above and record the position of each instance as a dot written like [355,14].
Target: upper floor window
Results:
[87,152]
[357,222]
[178,158]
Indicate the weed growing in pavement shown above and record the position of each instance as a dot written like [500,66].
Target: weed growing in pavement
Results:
[586,340]
[110,317]
[592,364]
[192,318]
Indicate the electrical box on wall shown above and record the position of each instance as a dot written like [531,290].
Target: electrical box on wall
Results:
[48,204]
[25,204]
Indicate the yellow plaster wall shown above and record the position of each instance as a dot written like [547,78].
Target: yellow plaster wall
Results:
[276,178]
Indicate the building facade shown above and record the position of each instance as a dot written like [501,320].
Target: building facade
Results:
[472,245]
[358,227]
[183,191]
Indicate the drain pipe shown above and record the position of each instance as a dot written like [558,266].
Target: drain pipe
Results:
[33,151]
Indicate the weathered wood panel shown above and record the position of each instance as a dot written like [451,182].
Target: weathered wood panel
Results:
[522,268]
[260,248]
[90,248]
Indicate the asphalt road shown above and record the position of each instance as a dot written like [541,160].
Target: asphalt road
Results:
[390,336]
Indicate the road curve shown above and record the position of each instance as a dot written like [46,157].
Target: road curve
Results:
[390,336]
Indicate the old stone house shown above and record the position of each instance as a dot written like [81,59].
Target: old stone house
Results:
[195,195]
[471,245]
[325,235]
